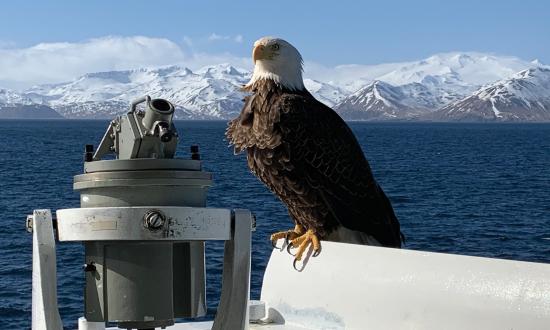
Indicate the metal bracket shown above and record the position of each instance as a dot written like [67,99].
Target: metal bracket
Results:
[45,313]
[107,142]
[233,307]
[28,222]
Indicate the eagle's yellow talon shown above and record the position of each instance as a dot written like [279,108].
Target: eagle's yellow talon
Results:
[275,237]
[316,253]
[287,238]
[288,247]
[288,235]
[294,264]
[303,242]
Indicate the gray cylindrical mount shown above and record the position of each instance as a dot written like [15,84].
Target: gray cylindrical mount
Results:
[137,188]
[142,284]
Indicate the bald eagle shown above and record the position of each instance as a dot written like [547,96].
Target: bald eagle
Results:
[307,156]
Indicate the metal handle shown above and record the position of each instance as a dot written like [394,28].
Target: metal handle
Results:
[134,103]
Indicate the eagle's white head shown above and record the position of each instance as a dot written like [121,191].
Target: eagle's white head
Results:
[278,60]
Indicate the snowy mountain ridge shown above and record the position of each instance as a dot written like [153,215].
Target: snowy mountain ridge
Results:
[212,92]
[525,96]
[386,91]
[454,70]
[377,100]
[9,97]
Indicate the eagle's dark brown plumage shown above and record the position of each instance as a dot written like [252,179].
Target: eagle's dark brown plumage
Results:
[307,155]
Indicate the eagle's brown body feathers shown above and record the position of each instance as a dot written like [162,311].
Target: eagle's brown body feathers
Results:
[307,155]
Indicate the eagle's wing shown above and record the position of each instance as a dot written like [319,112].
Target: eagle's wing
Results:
[324,150]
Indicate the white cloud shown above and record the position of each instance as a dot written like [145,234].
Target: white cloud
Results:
[7,44]
[21,68]
[217,37]
[64,61]
[188,41]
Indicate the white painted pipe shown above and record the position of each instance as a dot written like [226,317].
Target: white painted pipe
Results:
[364,287]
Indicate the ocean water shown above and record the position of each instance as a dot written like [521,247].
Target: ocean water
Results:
[459,188]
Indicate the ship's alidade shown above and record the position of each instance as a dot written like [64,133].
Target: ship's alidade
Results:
[147,133]
[147,281]
[143,222]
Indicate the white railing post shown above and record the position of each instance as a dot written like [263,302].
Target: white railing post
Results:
[45,313]
[233,307]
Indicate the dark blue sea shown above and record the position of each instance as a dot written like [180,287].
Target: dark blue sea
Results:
[474,189]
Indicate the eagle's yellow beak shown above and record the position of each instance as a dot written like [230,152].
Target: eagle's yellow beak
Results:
[258,53]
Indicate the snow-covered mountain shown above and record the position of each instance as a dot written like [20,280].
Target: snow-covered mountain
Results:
[210,93]
[382,101]
[523,97]
[450,71]
[456,68]
[378,101]
[14,105]
[413,89]
[326,93]
[8,97]
[27,111]
[387,91]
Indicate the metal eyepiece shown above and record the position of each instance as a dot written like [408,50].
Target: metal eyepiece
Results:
[157,110]
[161,105]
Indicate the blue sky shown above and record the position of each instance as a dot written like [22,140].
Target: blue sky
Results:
[46,42]
[328,32]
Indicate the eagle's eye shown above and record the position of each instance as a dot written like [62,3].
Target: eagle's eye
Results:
[275,47]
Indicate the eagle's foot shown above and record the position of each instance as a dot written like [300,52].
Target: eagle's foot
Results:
[302,242]
[287,235]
